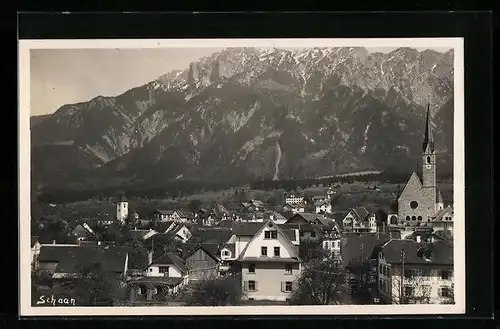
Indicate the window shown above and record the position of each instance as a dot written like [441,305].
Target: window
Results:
[409,291]
[276,251]
[394,220]
[288,269]
[381,269]
[445,275]
[327,246]
[225,253]
[163,269]
[419,217]
[274,234]
[413,204]
[413,218]
[251,285]
[263,251]
[267,234]
[313,234]
[407,217]
[288,286]
[408,274]
[428,160]
[446,292]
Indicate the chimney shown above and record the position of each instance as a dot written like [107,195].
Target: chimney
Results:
[419,239]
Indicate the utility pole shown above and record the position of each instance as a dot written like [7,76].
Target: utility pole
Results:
[401,291]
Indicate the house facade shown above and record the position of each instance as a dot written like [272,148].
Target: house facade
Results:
[294,199]
[270,263]
[203,262]
[359,220]
[415,273]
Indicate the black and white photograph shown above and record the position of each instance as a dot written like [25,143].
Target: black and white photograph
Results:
[242,176]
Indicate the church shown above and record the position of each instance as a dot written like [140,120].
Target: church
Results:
[420,204]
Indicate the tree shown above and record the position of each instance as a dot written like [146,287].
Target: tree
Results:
[96,286]
[216,291]
[195,205]
[321,282]
[138,254]
[445,234]
[410,290]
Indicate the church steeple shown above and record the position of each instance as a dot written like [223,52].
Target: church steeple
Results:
[428,144]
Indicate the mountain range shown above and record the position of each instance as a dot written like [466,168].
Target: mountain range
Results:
[252,113]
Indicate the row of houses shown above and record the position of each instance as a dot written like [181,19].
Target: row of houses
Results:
[267,255]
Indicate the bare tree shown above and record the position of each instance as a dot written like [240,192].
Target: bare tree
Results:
[321,282]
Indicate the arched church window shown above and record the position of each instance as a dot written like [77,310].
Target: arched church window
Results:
[407,217]
[394,220]
[419,217]
[428,160]
[413,218]
[413,204]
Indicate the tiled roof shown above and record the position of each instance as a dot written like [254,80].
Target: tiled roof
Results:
[71,259]
[211,235]
[170,258]
[246,229]
[350,247]
[441,252]
[360,212]
[226,223]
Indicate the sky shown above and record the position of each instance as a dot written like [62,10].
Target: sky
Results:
[65,76]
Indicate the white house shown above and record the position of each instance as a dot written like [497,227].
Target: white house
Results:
[270,263]
[294,199]
[359,220]
[323,206]
[410,272]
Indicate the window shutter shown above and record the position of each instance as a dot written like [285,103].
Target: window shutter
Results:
[256,286]
[245,285]
[283,286]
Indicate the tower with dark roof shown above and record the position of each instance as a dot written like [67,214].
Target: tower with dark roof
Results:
[429,158]
[122,209]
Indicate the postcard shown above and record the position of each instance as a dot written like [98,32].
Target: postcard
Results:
[242,177]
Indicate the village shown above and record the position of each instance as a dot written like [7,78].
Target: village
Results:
[250,252]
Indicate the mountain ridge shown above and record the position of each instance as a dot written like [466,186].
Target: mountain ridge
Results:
[222,117]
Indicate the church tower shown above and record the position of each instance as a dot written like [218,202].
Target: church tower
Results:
[429,158]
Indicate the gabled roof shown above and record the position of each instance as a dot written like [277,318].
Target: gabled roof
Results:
[350,247]
[170,258]
[231,248]
[211,249]
[443,212]
[212,235]
[360,213]
[413,184]
[441,252]
[280,232]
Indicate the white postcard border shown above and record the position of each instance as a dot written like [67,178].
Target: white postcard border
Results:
[26,309]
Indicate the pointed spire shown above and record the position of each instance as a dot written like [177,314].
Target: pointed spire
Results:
[439,196]
[428,145]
